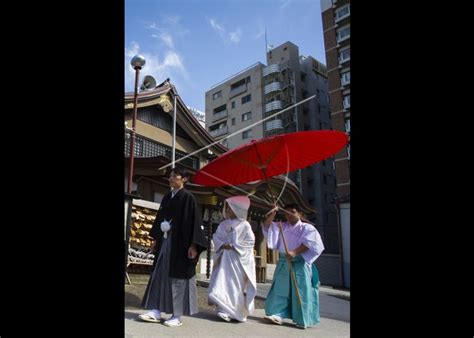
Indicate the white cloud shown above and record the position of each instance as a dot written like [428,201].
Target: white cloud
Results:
[168,27]
[260,34]
[162,61]
[167,39]
[172,66]
[218,28]
[173,59]
[261,30]
[235,36]
[172,19]
[134,50]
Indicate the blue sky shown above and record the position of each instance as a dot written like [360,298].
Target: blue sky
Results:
[198,43]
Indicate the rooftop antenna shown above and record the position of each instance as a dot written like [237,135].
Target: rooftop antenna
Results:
[266,44]
[268,48]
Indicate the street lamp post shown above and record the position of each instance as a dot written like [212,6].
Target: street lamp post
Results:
[137,63]
[173,152]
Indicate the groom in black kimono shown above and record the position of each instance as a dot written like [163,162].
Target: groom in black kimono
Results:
[178,241]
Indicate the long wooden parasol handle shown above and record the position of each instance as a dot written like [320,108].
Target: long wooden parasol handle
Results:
[292,273]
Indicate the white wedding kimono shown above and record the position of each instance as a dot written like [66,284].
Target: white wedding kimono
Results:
[233,285]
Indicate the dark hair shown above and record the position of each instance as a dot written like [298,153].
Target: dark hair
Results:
[180,171]
[293,206]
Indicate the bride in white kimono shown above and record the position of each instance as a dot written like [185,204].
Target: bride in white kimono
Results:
[233,286]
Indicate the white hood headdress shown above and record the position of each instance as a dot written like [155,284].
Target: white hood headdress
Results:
[240,206]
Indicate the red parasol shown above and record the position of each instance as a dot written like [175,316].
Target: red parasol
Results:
[271,156]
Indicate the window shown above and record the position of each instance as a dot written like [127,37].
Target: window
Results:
[342,13]
[217,95]
[232,104]
[347,126]
[233,121]
[324,164]
[247,134]
[317,93]
[343,33]
[345,55]
[345,78]
[247,116]
[325,180]
[347,101]
[247,98]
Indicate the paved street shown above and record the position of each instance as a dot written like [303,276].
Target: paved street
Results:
[334,307]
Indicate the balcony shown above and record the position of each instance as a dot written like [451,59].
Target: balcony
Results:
[219,115]
[275,68]
[274,105]
[218,132]
[273,124]
[238,90]
[272,87]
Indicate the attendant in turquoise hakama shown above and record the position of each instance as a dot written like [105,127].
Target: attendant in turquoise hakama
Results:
[304,247]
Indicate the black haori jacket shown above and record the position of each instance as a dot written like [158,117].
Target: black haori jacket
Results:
[186,221]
